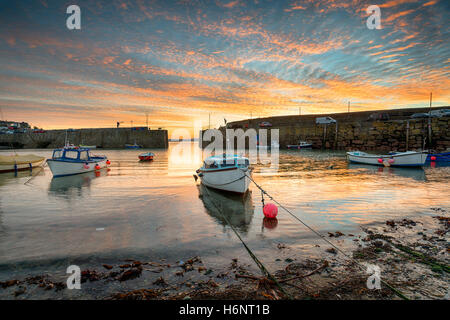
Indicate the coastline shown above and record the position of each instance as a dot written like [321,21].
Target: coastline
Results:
[412,256]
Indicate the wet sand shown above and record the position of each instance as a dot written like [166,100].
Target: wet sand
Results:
[413,257]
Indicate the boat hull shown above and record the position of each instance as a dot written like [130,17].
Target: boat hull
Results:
[20,167]
[146,158]
[228,179]
[65,168]
[404,159]
[296,146]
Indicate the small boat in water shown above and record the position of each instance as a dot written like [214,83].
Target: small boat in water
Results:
[72,160]
[226,172]
[148,156]
[133,146]
[399,159]
[300,145]
[17,162]
[87,147]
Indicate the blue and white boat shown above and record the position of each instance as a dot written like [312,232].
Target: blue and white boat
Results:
[133,146]
[227,172]
[72,160]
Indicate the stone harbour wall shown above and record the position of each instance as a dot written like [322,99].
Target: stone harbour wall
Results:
[110,138]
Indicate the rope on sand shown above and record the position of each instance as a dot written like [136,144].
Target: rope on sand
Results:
[362,267]
[260,265]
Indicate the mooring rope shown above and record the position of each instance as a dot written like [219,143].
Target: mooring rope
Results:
[35,175]
[396,291]
[258,262]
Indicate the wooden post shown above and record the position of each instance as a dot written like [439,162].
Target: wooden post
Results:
[407,135]
[336,136]
[429,123]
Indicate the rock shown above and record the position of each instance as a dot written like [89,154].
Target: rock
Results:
[160,282]
[130,274]
[9,283]
[331,250]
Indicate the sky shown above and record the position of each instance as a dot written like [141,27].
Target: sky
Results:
[181,61]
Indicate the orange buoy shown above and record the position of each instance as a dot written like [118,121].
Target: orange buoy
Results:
[270,210]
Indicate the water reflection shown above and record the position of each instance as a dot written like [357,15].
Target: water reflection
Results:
[74,187]
[237,209]
[413,173]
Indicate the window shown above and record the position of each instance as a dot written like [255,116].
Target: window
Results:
[57,154]
[84,155]
[228,163]
[71,154]
[210,165]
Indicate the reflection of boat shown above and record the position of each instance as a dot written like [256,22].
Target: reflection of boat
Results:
[416,173]
[72,160]
[238,210]
[300,145]
[226,172]
[404,159]
[148,156]
[69,186]
[20,162]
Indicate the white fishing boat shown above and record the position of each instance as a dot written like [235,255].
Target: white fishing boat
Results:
[13,163]
[300,145]
[395,159]
[72,160]
[226,172]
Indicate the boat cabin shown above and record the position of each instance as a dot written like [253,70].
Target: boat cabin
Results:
[71,154]
[221,162]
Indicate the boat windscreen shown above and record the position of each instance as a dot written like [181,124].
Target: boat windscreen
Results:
[57,154]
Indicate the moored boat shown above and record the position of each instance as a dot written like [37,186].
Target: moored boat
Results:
[133,146]
[148,156]
[226,172]
[300,145]
[399,159]
[72,160]
[20,162]
[443,157]
[87,147]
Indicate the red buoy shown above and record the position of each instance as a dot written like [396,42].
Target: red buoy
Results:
[380,160]
[108,162]
[270,210]
[86,166]
[433,158]
[97,167]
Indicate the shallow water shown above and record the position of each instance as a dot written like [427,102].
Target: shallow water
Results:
[156,210]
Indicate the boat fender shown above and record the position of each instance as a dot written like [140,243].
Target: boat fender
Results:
[85,166]
[433,158]
[391,161]
[380,160]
